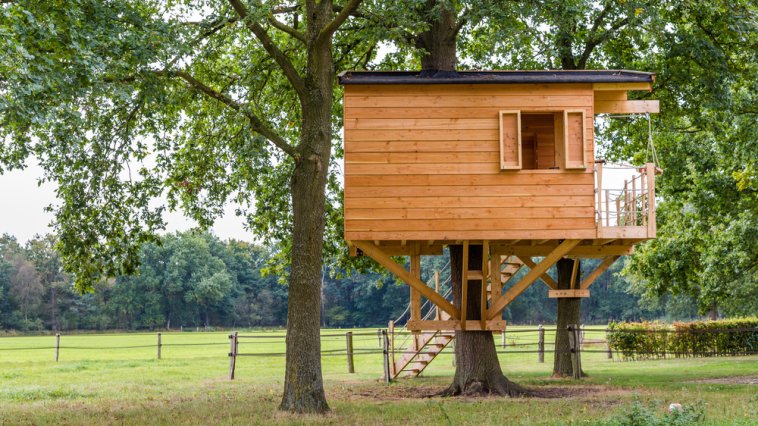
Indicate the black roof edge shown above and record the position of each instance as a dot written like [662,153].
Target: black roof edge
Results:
[498,77]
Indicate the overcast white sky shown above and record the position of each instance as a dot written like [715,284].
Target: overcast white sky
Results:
[22,205]
[23,202]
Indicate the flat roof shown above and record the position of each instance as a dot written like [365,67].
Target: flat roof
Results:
[497,77]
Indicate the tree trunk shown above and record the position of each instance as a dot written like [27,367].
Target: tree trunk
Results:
[303,383]
[568,313]
[477,367]
[438,42]
[713,313]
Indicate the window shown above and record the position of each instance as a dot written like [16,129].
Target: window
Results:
[542,140]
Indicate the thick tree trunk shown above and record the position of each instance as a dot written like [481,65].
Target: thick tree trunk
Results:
[568,313]
[303,383]
[438,41]
[477,367]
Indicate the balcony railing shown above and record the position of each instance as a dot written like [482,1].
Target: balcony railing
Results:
[630,206]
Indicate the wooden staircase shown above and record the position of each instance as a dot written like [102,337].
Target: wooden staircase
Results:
[426,345]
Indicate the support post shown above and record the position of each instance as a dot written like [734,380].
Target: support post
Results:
[502,338]
[540,344]
[232,354]
[464,286]
[634,201]
[349,342]
[438,313]
[379,337]
[386,356]
[391,349]
[159,345]
[599,190]
[607,208]
[57,345]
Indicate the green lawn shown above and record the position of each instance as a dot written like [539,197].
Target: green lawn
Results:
[91,384]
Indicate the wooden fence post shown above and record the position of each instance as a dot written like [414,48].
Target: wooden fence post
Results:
[57,345]
[541,344]
[386,353]
[159,345]
[502,338]
[379,337]
[349,342]
[232,354]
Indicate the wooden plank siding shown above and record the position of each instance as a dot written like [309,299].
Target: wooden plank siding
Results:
[422,163]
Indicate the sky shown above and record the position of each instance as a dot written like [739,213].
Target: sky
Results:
[23,202]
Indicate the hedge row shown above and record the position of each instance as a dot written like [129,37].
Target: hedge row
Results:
[648,340]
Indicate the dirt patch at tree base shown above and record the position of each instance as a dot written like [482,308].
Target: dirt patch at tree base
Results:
[401,391]
[736,380]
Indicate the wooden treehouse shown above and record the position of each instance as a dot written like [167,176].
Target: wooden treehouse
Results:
[501,159]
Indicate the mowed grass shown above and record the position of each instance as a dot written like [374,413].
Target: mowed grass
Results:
[95,384]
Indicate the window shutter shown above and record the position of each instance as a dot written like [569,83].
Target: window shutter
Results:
[574,140]
[510,140]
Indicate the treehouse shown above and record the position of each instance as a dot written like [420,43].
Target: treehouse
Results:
[501,159]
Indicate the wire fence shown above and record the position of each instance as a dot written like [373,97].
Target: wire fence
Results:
[618,345]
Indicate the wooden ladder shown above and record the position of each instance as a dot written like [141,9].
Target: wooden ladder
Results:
[432,343]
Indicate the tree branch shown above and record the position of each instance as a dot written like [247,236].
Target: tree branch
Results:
[279,57]
[256,123]
[338,20]
[594,40]
[461,21]
[286,28]
[214,27]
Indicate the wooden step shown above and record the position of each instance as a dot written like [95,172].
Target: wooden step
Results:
[474,275]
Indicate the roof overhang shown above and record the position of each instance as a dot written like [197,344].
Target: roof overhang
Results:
[497,77]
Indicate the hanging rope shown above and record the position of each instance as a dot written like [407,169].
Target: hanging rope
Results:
[650,144]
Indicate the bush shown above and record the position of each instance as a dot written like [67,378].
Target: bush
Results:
[648,340]
[641,415]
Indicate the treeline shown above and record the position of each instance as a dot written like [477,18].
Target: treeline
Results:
[197,280]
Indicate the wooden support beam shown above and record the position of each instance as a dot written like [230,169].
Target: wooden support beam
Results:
[376,253]
[415,295]
[496,278]
[604,265]
[547,279]
[437,314]
[574,271]
[423,325]
[483,292]
[530,277]
[601,250]
[572,293]
[623,86]
[627,107]
[464,285]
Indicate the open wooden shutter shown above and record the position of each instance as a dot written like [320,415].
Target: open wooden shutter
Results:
[510,140]
[574,140]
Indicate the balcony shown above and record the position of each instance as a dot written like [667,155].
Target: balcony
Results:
[626,211]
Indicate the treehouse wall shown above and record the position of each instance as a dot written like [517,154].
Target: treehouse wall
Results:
[422,162]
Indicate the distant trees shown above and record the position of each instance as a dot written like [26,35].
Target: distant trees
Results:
[196,280]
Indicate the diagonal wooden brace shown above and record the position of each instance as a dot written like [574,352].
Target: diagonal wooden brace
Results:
[378,255]
[604,265]
[547,279]
[531,277]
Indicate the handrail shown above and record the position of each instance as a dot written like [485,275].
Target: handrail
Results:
[631,205]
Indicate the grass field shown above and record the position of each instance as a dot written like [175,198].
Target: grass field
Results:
[94,385]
